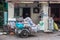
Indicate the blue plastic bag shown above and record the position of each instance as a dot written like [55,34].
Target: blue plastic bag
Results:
[19,25]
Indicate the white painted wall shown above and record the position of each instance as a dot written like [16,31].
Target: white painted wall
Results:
[10,10]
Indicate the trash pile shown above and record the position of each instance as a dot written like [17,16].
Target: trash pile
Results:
[21,23]
[28,22]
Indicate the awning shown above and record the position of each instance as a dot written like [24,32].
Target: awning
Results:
[34,0]
[27,1]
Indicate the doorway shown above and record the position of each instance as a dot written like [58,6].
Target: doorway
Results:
[55,12]
[26,12]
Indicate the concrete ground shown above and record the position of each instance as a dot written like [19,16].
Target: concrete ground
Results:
[38,36]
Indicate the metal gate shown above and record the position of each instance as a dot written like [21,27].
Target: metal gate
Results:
[1,18]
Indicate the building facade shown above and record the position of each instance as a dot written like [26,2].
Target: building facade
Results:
[33,9]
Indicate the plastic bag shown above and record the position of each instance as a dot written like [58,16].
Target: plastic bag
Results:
[28,21]
[55,26]
[19,25]
[40,26]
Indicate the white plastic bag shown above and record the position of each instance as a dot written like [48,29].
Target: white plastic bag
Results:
[11,22]
[28,21]
[51,23]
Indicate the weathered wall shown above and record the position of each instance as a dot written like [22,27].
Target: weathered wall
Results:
[10,10]
[34,16]
[45,18]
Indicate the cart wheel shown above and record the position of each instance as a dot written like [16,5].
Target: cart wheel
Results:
[24,34]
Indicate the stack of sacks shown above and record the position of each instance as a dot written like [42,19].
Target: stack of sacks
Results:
[11,22]
[29,23]
[19,23]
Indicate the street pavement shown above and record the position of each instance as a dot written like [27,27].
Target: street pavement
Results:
[38,36]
